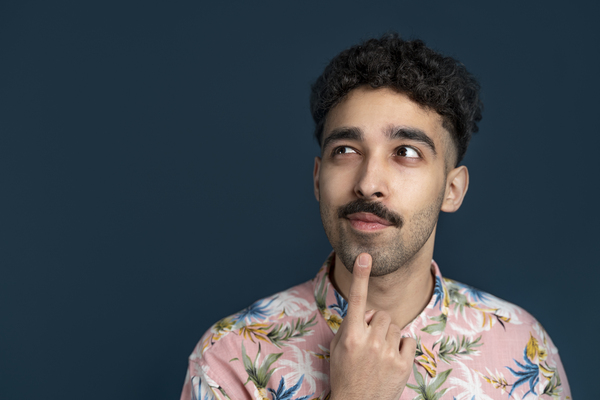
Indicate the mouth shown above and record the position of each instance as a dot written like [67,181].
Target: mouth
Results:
[363,221]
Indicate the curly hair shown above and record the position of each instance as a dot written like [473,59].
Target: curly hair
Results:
[428,78]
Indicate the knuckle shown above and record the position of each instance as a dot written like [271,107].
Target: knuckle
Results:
[376,344]
[395,330]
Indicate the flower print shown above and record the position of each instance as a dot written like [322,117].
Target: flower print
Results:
[286,394]
[529,373]
[534,351]
[471,384]
[218,330]
[303,368]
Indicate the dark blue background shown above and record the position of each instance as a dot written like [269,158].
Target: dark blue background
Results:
[156,174]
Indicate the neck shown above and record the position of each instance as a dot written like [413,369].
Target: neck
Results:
[403,294]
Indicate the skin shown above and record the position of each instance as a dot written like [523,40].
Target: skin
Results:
[410,176]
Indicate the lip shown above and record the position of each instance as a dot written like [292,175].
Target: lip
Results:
[367,222]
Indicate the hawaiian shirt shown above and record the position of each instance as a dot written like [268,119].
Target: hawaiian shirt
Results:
[470,345]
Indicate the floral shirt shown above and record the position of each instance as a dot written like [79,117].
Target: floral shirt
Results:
[470,345]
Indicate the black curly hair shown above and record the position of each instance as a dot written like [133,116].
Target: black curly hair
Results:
[428,78]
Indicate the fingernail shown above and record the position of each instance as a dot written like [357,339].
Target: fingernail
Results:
[363,260]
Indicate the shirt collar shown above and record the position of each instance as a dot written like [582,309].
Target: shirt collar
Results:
[427,326]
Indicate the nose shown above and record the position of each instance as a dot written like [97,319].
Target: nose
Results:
[371,182]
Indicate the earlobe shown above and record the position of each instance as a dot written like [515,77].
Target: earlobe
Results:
[316,176]
[457,184]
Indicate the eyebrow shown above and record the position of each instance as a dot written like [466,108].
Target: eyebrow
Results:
[394,132]
[348,133]
[415,134]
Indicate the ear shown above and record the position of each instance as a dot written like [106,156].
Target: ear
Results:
[457,184]
[316,176]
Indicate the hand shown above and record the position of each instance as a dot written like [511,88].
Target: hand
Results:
[369,357]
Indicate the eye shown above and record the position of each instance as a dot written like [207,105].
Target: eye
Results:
[408,152]
[343,150]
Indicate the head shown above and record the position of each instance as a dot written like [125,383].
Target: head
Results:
[393,119]
[430,79]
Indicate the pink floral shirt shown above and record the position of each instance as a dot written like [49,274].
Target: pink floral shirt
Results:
[470,345]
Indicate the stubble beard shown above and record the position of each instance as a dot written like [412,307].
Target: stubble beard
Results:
[390,255]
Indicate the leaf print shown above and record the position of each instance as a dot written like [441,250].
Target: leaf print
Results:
[303,368]
[342,305]
[497,380]
[553,386]
[283,333]
[290,303]
[437,328]
[438,292]
[259,374]
[286,394]
[255,331]
[450,348]
[529,373]
[257,311]
[427,389]
[471,384]
[426,358]
[324,355]
[321,295]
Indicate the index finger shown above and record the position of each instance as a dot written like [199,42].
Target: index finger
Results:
[357,296]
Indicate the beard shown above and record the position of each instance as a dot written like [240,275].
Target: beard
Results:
[407,236]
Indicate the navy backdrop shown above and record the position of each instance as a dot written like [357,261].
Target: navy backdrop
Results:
[156,174]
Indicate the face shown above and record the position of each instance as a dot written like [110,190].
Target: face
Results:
[382,178]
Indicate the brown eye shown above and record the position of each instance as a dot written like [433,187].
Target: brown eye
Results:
[407,152]
[343,150]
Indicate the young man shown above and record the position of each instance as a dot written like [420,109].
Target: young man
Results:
[393,119]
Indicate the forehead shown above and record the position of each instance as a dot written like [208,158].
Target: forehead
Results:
[375,110]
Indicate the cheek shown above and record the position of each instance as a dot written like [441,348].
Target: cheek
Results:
[334,186]
[415,192]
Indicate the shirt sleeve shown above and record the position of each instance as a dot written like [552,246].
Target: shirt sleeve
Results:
[215,372]
[197,385]
[552,369]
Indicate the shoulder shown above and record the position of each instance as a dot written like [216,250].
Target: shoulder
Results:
[464,297]
[259,321]
[489,334]
[274,332]
[501,325]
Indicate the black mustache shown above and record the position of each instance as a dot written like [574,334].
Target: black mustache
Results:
[373,207]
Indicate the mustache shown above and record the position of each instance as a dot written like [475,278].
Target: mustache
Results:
[373,207]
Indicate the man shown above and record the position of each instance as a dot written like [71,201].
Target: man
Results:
[393,119]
